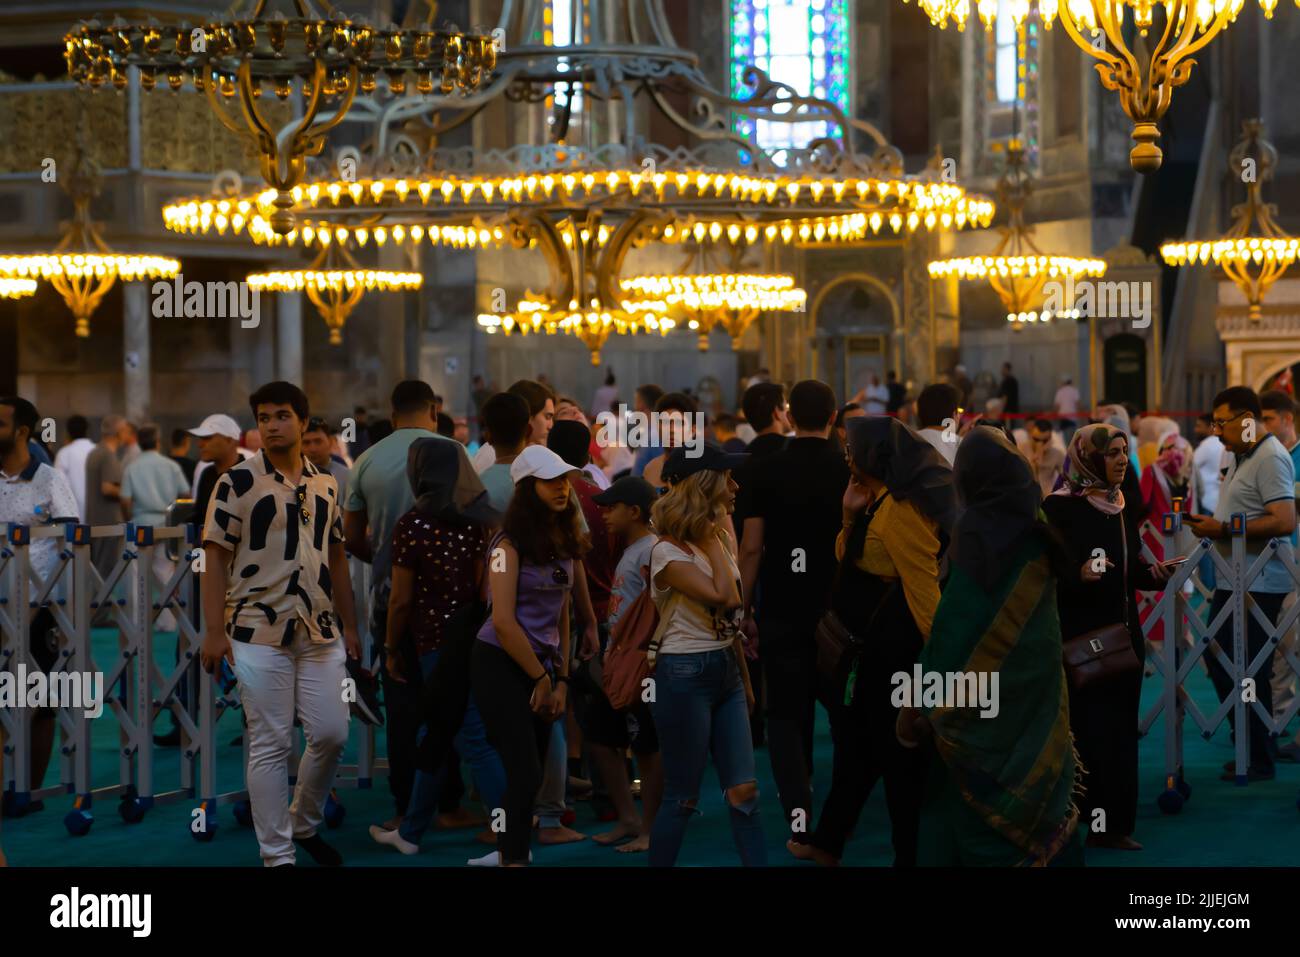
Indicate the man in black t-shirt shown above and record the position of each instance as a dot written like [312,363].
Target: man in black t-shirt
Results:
[765,410]
[897,392]
[1009,391]
[787,564]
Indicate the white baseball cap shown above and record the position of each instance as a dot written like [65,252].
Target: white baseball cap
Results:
[540,462]
[218,425]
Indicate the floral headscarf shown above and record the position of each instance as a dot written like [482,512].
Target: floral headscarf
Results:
[1085,470]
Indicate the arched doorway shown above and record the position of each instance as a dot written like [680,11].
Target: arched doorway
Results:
[856,323]
[1125,363]
[1281,377]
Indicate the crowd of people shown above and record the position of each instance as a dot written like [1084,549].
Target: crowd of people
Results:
[801,559]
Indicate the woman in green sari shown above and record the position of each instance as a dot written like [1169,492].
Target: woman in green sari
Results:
[1002,787]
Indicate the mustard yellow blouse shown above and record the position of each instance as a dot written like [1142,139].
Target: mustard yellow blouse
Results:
[902,543]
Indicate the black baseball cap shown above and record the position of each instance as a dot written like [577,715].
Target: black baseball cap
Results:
[629,490]
[683,462]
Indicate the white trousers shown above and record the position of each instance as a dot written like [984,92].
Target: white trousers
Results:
[274,684]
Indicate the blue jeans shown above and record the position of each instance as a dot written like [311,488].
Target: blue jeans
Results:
[699,708]
[555,779]
[472,745]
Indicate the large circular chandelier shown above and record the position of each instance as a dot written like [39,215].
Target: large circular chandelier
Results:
[335,285]
[730,300]
[1144,59]
[81,267]
[256,57]
[592,326]
[1018,270]
[17,288]
[1254,252]
[585,192]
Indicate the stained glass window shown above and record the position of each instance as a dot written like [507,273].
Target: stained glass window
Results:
[1005,54]
[802,43]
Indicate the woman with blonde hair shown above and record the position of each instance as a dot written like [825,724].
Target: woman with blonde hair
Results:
[702,695]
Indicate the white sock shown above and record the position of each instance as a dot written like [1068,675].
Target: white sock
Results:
[491,860]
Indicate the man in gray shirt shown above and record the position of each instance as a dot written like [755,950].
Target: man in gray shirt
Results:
[104,490]
[1260,483]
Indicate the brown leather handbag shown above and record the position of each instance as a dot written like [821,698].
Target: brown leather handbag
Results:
[1102,655]
[1099,657]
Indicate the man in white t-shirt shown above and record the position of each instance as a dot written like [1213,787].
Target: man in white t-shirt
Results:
[937,410]
[1066,404]
[33,494]
[1209,464]
[71,460]
[875,397]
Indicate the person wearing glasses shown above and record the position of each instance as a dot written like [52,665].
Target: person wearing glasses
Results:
[1260,482]
[1046,458]
[277,598]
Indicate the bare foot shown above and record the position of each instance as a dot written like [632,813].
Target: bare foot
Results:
[461,817]
[635,846]
[486,836]
[809,852]
[1122,843]
[558,835]
[617,833]
[392,824]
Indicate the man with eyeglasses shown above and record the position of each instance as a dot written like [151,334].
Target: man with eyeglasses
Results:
[277,598]
[1260,482]
[1046,458]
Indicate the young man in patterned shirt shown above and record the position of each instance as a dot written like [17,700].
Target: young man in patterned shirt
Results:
[276,575]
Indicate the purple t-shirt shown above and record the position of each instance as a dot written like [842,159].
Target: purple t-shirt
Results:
[539,599]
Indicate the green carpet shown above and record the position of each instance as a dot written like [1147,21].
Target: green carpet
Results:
[1222,825]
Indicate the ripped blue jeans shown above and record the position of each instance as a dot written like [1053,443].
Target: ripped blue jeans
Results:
[699,709]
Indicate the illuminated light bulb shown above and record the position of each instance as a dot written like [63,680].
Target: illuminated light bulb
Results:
[417,233]
[399,233]
[362,234]
[715,230]
[355,190]
[487,189]
[377,190]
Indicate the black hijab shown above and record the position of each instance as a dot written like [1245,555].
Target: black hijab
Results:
[445,484]
[571,441]
[911,468]
[1000,497]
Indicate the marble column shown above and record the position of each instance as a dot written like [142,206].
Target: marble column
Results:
[288,337]
[135,350]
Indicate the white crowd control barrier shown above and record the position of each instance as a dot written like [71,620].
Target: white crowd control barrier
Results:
[136,684]
[1182,612]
